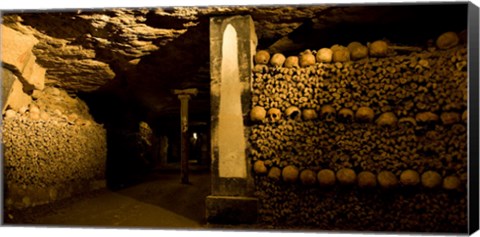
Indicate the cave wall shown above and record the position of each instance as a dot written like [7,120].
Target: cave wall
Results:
[378,142]
[52,148]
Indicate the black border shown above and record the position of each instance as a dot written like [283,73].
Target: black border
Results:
[2,168]
[473,60]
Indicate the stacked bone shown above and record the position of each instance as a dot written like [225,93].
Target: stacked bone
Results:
[49,145]
[361,116]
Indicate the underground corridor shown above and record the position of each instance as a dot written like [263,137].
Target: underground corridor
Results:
[296,117]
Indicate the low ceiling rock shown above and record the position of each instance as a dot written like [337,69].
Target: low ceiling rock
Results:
[144,54]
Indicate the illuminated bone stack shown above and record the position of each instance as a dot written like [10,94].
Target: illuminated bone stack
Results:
[374,116]
[52,150]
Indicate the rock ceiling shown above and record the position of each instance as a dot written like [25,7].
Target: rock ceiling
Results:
[143,54]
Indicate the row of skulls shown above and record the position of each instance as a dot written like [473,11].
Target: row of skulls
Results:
[338,53]
[327,112]
[346,115]
[364,179]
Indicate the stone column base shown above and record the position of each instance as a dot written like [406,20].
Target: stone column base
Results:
[231,210]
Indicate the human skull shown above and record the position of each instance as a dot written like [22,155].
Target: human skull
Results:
[324,55]
[340,53]
[23,109]
[275,173]
[258,114]
[378,48]
[346,176]
[451,182]
[262,57]
[326,177]
[34,109]
[307,58]
[449,118]
[274,114]
[277,60]
[10,113]
[364,114]
[431,179]
[290,174]
[387,119]
[308,177]
[426,118]
[292,112]
[328,113]
[259,167]
[387,179]
[409,178]
[345,115]
[292,62]
[357,50]
[309,114]
[447,40]
[366,179]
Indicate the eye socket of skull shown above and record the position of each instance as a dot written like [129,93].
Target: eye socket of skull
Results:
[328,113]
[292,112]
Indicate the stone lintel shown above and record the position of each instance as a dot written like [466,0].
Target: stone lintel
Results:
[190,91]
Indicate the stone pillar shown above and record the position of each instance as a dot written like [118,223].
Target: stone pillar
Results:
[184,96]
[232,46]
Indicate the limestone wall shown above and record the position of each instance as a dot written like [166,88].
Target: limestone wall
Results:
[362,138]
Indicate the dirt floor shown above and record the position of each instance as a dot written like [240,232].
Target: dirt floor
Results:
[159,201]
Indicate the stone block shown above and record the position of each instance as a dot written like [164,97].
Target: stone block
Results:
[16,47]
[17,55]
[34,75]
[231,210]
[13,94]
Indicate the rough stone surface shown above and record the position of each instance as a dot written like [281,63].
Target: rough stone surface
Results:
[18,56]
[16,47]
[143,49]
[13,95]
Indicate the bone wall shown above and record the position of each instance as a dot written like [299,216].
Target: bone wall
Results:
[52,149]
[362,137]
